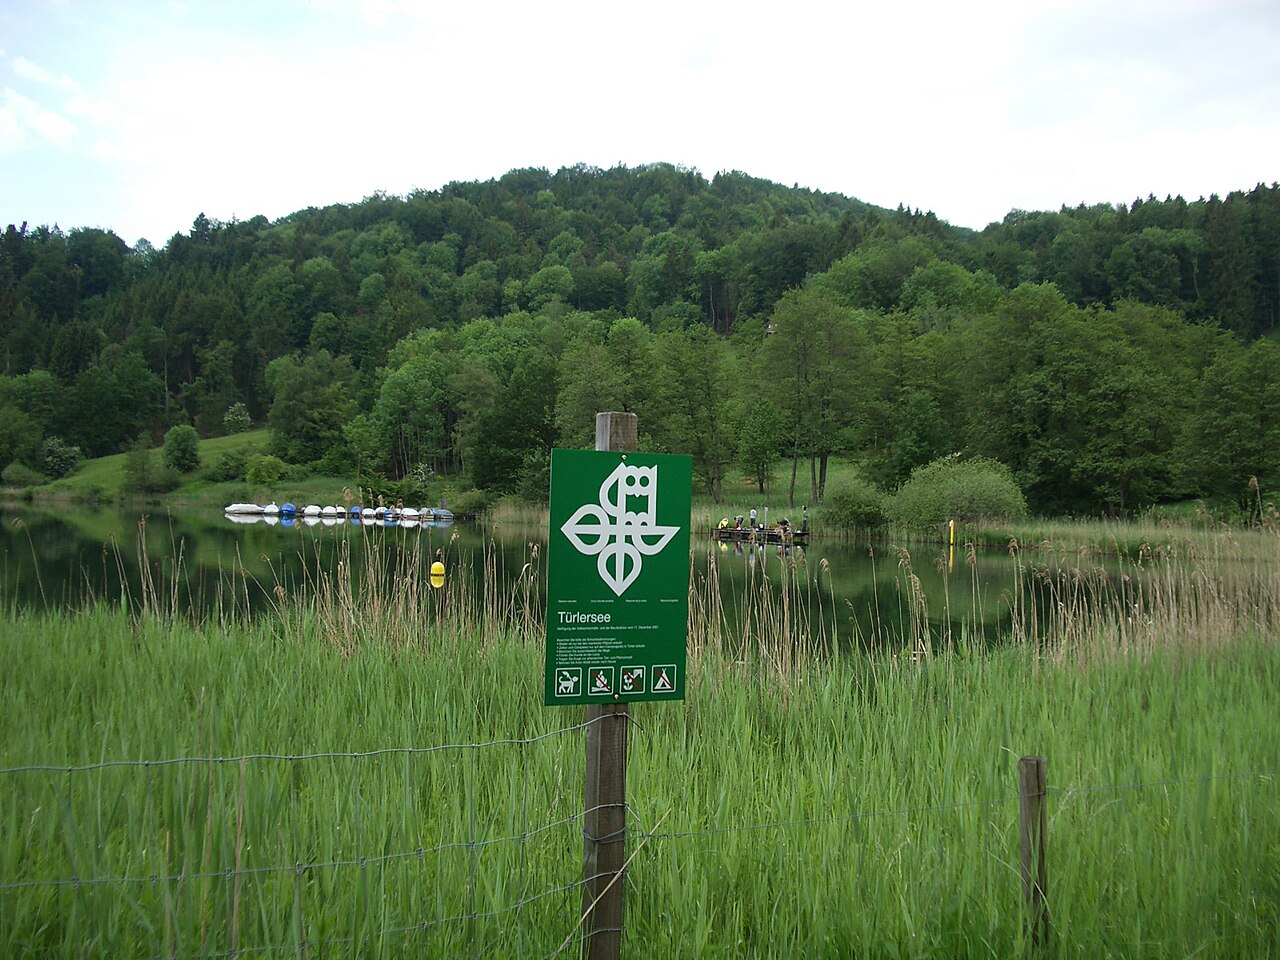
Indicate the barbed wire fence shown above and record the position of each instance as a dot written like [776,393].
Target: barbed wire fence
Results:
[185,853]
[258,855]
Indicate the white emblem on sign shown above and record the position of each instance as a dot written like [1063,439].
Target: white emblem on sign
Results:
[664,678]
[620,537]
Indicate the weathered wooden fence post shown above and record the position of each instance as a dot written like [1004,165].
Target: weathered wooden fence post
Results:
[1033,830]
[605,818]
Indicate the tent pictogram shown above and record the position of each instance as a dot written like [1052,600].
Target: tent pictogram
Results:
[664,678]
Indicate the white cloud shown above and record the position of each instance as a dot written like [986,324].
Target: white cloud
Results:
[11,136]
[28,70]
[29,115]
[969,110]
[100,112]
[104,149]
[51,125]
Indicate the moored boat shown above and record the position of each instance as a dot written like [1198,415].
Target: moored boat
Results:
[360,515]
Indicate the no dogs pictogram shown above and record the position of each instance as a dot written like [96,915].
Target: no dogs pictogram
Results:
[568,680]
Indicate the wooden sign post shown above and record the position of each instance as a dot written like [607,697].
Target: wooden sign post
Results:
[617,626]
[1033,833]
[605,797]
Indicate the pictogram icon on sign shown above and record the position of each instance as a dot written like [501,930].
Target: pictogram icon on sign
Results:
[568,679]
[632,680]
[664,678]
[601,681]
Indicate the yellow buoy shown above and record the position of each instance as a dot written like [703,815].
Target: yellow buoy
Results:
[437,574]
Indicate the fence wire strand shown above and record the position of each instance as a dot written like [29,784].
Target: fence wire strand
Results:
[1144,784]
[473,842]
[286,757]
[824,821]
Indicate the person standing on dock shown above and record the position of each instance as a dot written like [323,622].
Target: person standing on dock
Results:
[753,518]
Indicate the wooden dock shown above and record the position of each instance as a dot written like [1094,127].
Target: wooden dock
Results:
[776,535]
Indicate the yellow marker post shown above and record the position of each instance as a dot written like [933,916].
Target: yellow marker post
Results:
[437,574]
[951,553]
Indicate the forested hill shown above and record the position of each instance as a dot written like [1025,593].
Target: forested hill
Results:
[1110,356]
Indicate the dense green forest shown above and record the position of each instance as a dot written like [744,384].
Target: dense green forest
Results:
[1112,357]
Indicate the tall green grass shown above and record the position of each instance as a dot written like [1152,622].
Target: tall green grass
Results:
[814,800]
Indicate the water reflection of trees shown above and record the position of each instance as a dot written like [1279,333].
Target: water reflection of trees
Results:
[871,595]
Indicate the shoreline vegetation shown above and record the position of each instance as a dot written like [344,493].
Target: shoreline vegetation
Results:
[867,790]
[1158,530]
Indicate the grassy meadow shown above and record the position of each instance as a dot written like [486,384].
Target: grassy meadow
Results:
[372,773]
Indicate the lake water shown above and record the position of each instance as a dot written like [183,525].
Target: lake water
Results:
[876,594]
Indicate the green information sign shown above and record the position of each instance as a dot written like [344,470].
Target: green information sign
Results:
[617,577]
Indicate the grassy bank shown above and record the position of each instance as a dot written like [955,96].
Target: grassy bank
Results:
[817,806]
[1149,536]
[103,479]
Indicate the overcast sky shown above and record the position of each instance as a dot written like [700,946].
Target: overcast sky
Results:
[136,116]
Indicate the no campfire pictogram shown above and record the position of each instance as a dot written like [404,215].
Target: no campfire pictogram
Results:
[601,684]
